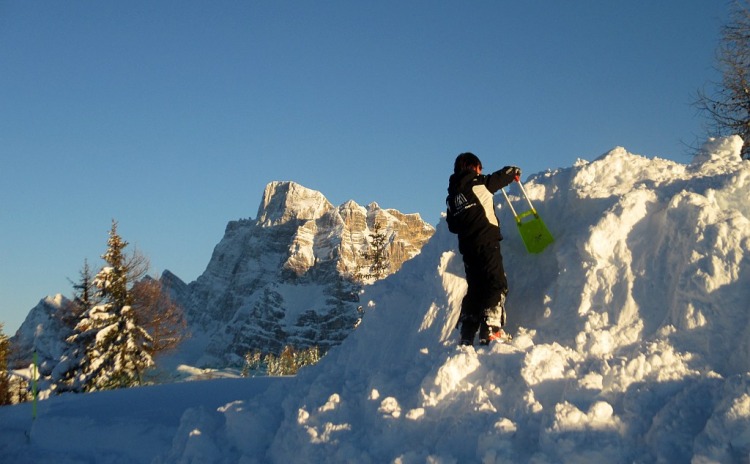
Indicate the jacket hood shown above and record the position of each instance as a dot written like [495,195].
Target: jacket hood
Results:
[458,181]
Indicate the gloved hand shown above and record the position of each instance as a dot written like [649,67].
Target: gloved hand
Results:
[514,171]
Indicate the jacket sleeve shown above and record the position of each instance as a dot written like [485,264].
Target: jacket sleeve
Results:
[501,178]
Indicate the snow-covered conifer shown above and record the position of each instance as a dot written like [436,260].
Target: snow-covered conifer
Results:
[4,375]
[376,257]
[108,349]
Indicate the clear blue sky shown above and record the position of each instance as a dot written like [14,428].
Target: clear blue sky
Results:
[172,116]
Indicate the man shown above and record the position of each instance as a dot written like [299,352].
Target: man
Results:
[471,215]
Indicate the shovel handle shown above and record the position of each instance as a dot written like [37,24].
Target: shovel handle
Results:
[512,209]
[526,196]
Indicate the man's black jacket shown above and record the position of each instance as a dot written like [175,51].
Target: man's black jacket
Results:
[471,209]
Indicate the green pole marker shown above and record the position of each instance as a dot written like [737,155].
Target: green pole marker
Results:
[34,390]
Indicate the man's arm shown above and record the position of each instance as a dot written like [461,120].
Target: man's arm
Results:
[502,178]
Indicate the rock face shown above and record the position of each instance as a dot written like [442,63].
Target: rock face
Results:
[287,277]
[43,332]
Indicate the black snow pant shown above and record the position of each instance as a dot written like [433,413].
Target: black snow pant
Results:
[484,302]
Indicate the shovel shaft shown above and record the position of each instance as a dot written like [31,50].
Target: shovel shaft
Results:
[512,209]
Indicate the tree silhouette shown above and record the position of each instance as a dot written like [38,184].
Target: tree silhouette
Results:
[727,106]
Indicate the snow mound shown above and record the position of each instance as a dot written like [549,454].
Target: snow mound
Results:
[631,335]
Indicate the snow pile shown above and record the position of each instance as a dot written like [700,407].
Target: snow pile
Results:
[631,335]
[630,342]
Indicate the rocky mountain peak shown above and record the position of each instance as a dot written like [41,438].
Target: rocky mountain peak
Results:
[289,277]
[286,201]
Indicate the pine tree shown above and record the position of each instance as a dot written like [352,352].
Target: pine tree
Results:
[85,289]
[120,319]
[113,350]
[83,300]
[5,393]
[63,375]
[376,257]
[112,280]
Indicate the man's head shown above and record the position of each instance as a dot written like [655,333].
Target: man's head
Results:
[467,162]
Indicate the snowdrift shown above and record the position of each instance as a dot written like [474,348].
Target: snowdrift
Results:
[631,336]
[630,341]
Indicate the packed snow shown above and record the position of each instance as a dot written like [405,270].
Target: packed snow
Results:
[631,344]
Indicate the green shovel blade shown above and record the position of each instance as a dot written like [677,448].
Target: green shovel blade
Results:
[534,233]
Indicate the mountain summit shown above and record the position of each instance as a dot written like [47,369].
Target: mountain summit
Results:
[287,277]
[288,201]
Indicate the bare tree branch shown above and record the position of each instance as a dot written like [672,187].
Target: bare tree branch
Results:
[727,104]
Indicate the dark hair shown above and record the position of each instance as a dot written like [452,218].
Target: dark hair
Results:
[465,162]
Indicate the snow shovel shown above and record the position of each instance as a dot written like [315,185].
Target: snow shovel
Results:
[534,233]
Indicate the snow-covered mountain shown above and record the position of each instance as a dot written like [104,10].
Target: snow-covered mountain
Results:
[630,345]
[42,331]
[284,278]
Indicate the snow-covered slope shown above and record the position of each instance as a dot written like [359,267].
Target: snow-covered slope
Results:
[631,344]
